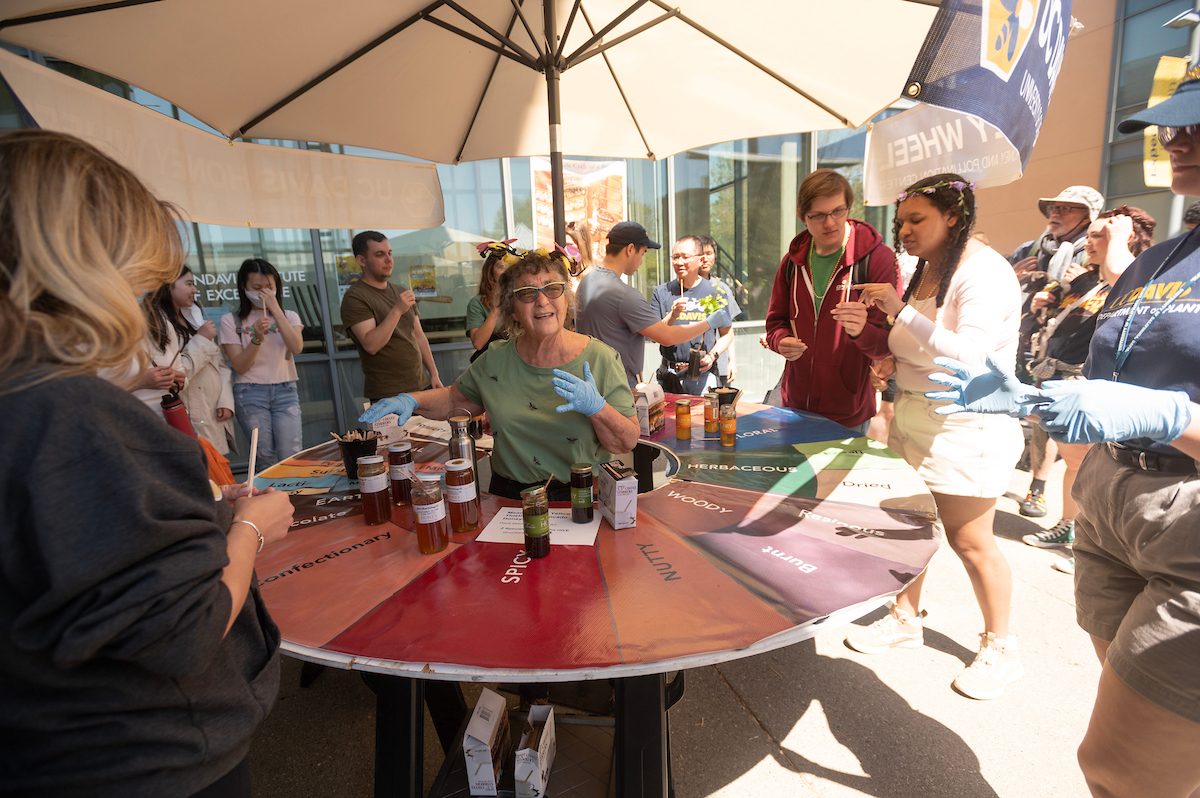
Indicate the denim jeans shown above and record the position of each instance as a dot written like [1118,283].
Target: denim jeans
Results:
[275,411]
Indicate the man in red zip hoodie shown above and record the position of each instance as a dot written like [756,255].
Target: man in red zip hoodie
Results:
[828,341]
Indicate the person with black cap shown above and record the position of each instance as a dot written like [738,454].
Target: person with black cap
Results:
[617,313]
[1137,563]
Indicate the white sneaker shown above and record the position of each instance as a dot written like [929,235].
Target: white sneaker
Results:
[897,629]
[995,667]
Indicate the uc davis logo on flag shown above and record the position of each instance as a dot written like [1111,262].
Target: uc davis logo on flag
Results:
[1007,29]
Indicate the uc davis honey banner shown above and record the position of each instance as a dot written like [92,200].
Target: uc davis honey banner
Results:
[983,79]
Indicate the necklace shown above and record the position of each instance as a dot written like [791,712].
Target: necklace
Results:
[919,304]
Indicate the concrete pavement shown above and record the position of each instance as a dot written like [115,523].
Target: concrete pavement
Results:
[814,719]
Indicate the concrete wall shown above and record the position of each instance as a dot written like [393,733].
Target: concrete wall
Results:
[1070,149]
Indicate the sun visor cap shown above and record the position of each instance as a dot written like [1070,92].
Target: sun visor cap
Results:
[1179,110]
[625,233]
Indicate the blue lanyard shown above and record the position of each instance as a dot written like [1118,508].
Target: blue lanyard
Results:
[1123,350]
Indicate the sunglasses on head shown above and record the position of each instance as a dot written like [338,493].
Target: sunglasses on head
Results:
[1167,134]
[529,293]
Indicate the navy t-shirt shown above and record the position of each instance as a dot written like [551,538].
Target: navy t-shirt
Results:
[1167,357]
[664,297]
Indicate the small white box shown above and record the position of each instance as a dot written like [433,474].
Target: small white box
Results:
[618,485]
[651,408]
[533,764]
[486,743]
[389,430]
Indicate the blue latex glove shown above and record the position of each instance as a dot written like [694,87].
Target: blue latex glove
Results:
[1095,411]
[977,391]
[719,318]
[582,395]
[402,405]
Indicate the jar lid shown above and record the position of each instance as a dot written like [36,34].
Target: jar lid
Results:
[581,468]
[683,403]
[536,492]
[459,464]
[459,422]
[370,459]
[429,476]
[403,446]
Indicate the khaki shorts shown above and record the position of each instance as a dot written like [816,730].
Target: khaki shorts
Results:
[1137,576]
[964,454]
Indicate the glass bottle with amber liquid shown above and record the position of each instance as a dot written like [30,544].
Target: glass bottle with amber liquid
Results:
[400,471]
[461,495]
[683,419]
[429,511]
[582,508]
[535,511]
[373,487]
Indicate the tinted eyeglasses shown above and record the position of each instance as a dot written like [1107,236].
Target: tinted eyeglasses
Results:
[529,293]
[1168,134]
[1063,208]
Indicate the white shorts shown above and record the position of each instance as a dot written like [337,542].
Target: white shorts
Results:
[963,454]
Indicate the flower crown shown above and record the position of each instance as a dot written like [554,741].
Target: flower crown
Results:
[957,185]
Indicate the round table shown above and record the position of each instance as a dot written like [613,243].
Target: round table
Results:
[798,528]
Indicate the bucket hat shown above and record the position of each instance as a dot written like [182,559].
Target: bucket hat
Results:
[1076,195]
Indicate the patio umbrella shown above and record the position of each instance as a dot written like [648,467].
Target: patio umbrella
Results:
[462,80]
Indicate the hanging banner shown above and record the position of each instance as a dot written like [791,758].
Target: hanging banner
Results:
[216,181]
[1156,161]
[594,196]
[983,79]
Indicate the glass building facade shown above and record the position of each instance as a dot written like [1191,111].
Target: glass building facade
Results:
[742,193]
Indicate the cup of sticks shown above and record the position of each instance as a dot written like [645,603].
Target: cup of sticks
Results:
[355,444]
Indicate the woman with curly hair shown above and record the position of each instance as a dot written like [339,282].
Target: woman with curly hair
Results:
[521,384]
[963,302]
[483,311]
[1060,347]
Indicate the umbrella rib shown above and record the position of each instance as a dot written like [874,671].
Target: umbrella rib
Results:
[495,34]
[71,12]
[573,61]
[606,29]
[562,45]
[345,62]
[482,96]
[621,91]
[746,57]
[527,61]
[517,7]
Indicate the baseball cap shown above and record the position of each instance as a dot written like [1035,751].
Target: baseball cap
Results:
[626,233]
[1086,196]
[1181,109]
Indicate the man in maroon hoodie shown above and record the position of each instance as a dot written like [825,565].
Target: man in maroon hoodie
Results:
[829,342]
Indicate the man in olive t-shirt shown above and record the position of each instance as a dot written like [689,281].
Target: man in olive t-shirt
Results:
[381,319]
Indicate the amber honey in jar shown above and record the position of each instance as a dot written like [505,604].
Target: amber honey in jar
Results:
[429,513]
[400,470]
[535,511]
[461,496]
[683,419]
[728,425]
[373,487]
[582,509]
[712,423]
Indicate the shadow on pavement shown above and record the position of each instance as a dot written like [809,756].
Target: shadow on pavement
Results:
[869,721]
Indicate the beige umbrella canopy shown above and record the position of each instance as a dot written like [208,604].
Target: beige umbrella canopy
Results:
[462,80]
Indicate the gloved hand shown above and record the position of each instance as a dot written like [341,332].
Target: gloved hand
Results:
[991,391]
[1095,411]
[402,405]
[719,318]
[582,395]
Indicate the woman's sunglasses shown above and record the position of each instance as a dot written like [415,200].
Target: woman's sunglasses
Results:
[1168,134]
[529,293]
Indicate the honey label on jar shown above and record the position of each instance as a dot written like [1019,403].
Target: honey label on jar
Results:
[373,483]
[402,471]
[460,493]
[537,526]
[430,513]
[581,497]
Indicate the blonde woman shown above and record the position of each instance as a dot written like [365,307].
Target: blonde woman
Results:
[136,654]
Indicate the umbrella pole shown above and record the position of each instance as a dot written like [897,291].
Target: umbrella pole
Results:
[552,102]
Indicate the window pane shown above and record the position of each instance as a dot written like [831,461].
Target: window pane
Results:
[1144,41]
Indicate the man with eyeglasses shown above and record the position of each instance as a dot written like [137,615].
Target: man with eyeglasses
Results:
[1057,257]
[617,313]
[679,303]
[828,338]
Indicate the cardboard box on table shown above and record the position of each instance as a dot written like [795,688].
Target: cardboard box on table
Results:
[651,408]
[533,764]
[486,744]
[617,485]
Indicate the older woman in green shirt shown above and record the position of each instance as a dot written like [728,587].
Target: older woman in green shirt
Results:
[522,383]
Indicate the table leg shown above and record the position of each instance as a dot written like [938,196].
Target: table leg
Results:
[399,735]
[641,748]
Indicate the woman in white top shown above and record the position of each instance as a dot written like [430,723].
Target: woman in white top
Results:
[963,302]
[180,335]
[261,340]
